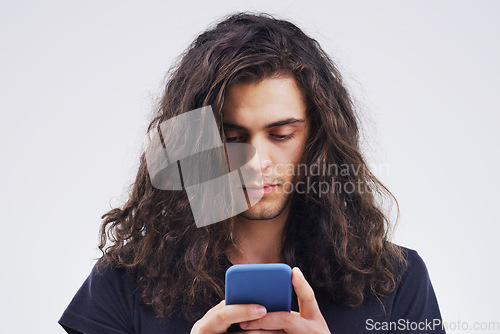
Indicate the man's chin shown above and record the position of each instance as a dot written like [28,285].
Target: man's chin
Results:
[259,216]
[265,211]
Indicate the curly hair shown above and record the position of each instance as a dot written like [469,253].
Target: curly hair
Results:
[339,239]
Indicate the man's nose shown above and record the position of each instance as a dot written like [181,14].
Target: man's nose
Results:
[261,160]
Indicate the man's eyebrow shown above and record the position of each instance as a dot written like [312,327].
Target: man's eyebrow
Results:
[271,125]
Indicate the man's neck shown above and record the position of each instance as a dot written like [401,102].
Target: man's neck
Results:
[258,241]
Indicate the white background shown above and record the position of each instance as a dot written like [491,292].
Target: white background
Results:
[78,80]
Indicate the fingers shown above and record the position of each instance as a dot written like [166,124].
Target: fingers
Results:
[219,318]
[308,305]
[290,322]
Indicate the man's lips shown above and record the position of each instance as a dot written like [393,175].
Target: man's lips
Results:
[259,191]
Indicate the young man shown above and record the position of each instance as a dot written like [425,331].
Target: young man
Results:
[272,87]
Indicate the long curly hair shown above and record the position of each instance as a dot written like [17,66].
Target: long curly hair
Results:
[339,238]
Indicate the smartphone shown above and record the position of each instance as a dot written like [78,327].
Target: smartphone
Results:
[266,284]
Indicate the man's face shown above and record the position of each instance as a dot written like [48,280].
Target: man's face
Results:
[271,116]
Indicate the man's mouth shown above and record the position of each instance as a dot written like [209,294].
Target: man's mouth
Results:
[259,191]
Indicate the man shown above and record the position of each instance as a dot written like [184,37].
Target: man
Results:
[272,87]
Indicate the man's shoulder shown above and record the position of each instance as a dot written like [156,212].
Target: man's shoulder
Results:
[415,264]
[415,281]
[104,273]
[104,270]
[414,299]
[104,303]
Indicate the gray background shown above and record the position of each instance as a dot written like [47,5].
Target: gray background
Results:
[78,80]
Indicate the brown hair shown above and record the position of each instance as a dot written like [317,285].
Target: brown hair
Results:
[339,239]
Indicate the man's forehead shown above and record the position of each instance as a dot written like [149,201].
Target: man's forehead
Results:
[270,100]
[264,115]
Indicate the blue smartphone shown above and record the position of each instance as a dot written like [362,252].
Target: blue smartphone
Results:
[266,284]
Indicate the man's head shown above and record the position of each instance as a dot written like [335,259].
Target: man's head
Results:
[258,68]
[272,86]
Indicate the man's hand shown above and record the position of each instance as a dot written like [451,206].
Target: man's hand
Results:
[309,320]
[221,316]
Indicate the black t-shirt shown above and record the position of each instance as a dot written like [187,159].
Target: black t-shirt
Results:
[107,302]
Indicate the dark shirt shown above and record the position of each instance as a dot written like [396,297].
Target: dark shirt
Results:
[107,302]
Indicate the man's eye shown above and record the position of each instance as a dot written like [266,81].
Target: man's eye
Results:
[233,137]
[283,137]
